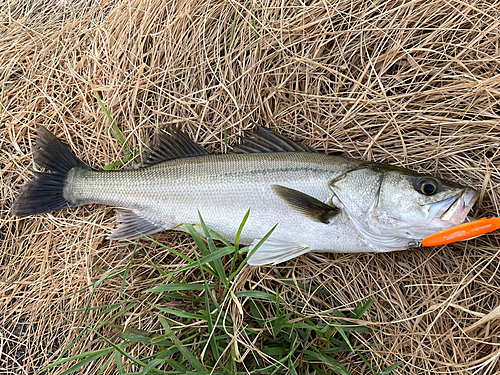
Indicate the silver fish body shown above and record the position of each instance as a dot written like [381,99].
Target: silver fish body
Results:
[223,188]
[319,202]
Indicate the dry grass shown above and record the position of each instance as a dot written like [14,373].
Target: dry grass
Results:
[411,83]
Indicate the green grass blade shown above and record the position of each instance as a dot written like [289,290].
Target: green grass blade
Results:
[124,160]
[115,315]
[207,293]
[135,337]
[193,263]
[257,36]
[340,329]
[278,365]
[152,365]
[180,255]
[105,277]
[117,134]
[367,363]
[240,229]
[107,307]
[119,362]
[218,237]
[127,270]
[361,309]
[197,239]
[182,314]
[291,366]
[233,275]
[5,88]
[389,369]
[106,365]
[177,287]
[83,363]
[218,254]
[256,294]
[94,353]
[212,343]
[114,130]
[176,366]
[121,350]
[185,352]
[217,262]
[344,336]
[332,363]
[233,28]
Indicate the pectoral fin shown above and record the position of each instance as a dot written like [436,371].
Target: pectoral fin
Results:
[306,205]
[274,251]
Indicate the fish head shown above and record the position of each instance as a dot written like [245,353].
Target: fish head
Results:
[396,208]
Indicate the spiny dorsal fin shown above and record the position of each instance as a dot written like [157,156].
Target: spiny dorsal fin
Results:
[264,140]
[171,144]
[306,205]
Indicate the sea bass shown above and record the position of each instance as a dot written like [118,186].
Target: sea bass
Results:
[319,202]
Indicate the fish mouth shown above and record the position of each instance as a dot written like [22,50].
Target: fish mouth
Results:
[454,210]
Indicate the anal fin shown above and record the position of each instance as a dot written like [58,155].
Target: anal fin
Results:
[274,251]
[135,224]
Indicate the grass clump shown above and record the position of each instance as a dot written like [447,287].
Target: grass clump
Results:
[212,327]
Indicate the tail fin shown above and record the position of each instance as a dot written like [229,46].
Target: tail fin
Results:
[45,192]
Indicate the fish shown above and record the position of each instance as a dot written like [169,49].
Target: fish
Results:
[314,201]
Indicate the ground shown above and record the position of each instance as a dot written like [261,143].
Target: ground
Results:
[409,83]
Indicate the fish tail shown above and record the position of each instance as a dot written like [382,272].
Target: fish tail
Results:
[45,192]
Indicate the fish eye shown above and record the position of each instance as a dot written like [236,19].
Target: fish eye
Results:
[427,186]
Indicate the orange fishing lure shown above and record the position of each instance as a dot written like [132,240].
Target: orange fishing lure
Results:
[462,232]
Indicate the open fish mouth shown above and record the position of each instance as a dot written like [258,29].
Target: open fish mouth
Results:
[454,210]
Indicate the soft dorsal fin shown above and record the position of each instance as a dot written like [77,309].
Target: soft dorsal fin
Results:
[264,140]
[171,144]
[306,205]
